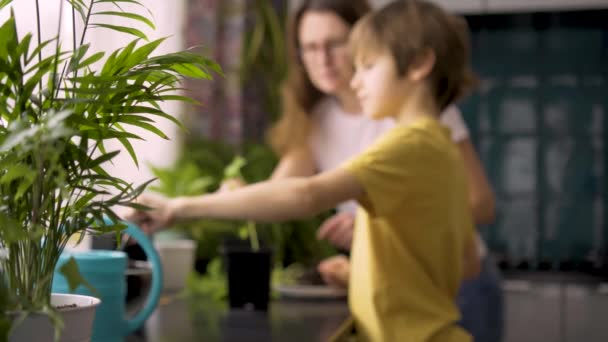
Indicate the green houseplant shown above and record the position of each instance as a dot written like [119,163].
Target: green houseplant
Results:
[58,112]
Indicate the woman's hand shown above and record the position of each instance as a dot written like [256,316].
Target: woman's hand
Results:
[160,216]
[338,230]
[335,271]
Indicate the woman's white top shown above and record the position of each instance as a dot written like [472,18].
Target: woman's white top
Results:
[338,136]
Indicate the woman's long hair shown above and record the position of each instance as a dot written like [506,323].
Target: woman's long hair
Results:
[299,95]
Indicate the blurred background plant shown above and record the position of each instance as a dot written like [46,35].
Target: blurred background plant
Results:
[264,58]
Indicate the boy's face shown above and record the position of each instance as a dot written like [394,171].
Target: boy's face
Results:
[378,85]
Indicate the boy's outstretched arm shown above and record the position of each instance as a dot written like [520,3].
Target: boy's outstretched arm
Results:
[268,201]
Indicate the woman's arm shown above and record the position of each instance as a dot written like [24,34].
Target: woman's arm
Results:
[275,200]
[472,259]
[297,162]
[481,196]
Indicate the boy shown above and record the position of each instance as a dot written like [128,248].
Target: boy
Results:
[411,61]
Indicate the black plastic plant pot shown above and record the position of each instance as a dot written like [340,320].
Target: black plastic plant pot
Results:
[248,275]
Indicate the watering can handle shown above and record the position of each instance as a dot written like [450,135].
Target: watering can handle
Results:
[157,277]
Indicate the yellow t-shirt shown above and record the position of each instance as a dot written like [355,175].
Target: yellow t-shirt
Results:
[410,235]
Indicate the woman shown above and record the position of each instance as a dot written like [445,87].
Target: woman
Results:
[322,126]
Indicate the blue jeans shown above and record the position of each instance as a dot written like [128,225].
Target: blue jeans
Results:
[481,304]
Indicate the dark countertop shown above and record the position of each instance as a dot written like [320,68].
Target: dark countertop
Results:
[200,319]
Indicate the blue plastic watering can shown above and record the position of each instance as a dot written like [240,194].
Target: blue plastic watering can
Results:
[105,271]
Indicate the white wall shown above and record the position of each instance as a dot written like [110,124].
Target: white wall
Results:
[169,18]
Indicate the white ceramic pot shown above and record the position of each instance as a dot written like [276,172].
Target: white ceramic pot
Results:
[77,321]
[177,258]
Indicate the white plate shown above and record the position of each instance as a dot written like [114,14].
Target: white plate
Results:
[311,291]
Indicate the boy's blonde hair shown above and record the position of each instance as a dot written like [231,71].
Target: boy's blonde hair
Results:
[407,29]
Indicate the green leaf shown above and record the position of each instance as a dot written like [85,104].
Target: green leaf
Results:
[80,7]
[243,233]
[209,64]
[130,16]
[123,29]
[23,47]
[125,118]
[144,51]
[27,182]
[117,1]
[255,43]
[146,110]
[107,67]
[72,274]
[77,56]
[94,58]
[96,133]
[3,3]
[37,50]
[11,231]
[15,171]
[102,159]
[150,128]
[91,190]
[121,60]
[181,98]
[233,170]
[130,149]
[84,200]
[8,32]
[190,70]
[276,32]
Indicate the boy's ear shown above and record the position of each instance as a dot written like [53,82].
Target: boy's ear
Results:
[422,66]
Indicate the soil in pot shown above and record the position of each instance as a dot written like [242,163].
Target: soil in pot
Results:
[66,306]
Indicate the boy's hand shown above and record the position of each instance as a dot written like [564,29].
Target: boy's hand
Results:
[338,230]
[335,271]
[160,216]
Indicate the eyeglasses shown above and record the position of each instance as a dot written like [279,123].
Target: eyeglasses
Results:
[332,47]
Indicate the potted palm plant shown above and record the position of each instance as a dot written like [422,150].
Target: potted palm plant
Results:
[58,112]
